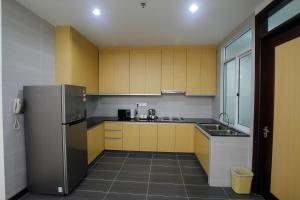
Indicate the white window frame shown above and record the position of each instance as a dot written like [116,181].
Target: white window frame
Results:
[237,58]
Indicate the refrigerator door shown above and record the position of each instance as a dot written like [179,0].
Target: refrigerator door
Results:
[75,154]
[73,103]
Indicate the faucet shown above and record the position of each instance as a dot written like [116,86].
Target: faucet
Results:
[225,114]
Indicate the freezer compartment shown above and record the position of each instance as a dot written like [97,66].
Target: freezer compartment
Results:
[73,103]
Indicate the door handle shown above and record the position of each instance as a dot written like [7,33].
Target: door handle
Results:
[266,132]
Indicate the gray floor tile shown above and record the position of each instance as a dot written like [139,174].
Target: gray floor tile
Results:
[165,170]
[138,177]
[205,192]
[94,185]
[189,163]
[165,162]
[165,156]
[129,187]
[186,157]
[140,155]
[106,175]
[112,159]
[166,190]
[195,180]
[232,195]
[136,168]
[163,178]
[41,197]
[165,198]
[114,196]
[138,161]
[107,166]
[85,195]
[192,171]
[115,154]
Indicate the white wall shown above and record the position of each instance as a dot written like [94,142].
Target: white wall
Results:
[2,178]
[166,105]
[262,5]
[28,59]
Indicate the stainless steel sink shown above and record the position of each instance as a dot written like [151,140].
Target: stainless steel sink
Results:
[215,127]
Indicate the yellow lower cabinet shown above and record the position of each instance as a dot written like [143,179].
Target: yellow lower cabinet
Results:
[184,138]
[148,137]
[131,137]
[113,135]
[95,142]
[202,149]
[166,137]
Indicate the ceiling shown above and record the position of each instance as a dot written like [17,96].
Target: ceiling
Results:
[162,22]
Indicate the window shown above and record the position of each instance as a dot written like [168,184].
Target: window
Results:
[290,9]
[237,81]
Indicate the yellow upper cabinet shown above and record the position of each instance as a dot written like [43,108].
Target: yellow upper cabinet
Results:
[201,70]
[76,59]
[208,71]
[145,71]
[173,69]
[114,71]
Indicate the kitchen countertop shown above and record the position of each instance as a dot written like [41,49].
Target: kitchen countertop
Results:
[93,121]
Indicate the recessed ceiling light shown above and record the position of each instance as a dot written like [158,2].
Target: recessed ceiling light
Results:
[193,8]
[96,12]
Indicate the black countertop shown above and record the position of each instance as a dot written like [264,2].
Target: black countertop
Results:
[93,121]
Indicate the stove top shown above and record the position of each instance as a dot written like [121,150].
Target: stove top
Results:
[172,118]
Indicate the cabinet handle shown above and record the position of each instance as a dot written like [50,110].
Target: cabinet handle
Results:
[111,138]
[111,130]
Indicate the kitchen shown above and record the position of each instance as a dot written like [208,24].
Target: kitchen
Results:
[141,110]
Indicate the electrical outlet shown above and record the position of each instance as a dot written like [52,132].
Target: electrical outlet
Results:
[142,104]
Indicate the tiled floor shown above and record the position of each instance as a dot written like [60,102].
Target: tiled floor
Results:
[146,176]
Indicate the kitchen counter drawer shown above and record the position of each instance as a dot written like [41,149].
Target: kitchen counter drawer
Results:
[113,134]
[113,126]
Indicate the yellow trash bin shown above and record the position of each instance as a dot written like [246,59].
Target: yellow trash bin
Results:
[241,179]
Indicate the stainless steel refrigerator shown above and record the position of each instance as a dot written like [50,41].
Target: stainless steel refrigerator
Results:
[56,137]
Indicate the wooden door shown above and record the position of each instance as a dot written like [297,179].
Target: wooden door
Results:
[131,137]
[137,71]
[208,75]
[179,65]
[166,137]
[193,86]
[148,137]
[184,138]
[153,71]
[276,142]
[285,174]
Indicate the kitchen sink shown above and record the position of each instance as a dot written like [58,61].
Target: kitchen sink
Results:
[215,127]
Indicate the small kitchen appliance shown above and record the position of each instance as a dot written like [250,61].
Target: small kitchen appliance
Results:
[124,114]
[152,114]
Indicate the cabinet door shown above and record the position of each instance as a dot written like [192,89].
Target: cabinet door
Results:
[148,137]
[179,63]
[208,71]
[202,151]
[131,137]
[92,60]
[167,71]
[95,142]
[113,144]
[121,71]
[184,138]
[166,137]
[153,71]
[106,72]
[193,71]
[137,71]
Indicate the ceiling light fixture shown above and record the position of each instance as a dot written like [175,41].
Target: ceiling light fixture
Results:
[193,8]
[96,12]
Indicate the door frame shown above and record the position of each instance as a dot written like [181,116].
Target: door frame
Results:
[265,43]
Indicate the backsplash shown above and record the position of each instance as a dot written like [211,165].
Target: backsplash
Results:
[174,105]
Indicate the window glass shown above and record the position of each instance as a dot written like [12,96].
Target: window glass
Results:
[229,91]
[236,47]
[245,81]
[284,14]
